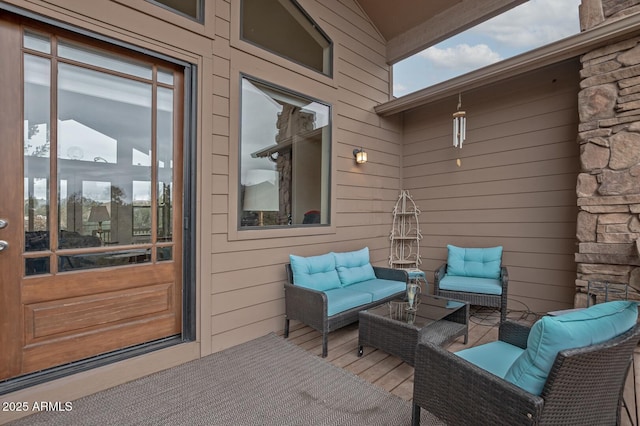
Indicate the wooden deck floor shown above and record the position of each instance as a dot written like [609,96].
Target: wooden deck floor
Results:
[395,376]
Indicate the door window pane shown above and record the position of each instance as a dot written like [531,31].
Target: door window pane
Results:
[101,59]
[37,265]
[37,42]
[284,158]
[37,145]
[103,120]
[165,163]
[103,260]
[114,144]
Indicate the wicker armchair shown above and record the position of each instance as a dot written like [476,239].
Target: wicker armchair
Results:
[584,386]
[480,299]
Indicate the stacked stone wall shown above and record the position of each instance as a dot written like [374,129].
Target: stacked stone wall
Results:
[608,187]
[619,8]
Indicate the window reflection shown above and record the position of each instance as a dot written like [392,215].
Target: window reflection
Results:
[113,180]
[37,146]
[284,159]
[102,260]
[102,123]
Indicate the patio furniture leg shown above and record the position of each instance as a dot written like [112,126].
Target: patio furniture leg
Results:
[286,327]
[360,350]
[325,343]
[415,415]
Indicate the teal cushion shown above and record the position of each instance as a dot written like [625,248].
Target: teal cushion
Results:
[315,272]
[354,266]
[577,329]
[494,357]
[471,284]
[474,262]
[342,299]
[379,289]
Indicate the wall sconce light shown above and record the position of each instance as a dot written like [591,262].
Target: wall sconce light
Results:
[361,155]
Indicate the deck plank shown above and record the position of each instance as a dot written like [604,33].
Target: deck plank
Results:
[395,376]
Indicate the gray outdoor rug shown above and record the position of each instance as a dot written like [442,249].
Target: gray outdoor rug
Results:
[267,381]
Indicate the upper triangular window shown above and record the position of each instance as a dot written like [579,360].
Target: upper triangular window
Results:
[282,27]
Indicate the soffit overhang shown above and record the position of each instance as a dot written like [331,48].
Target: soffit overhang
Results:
[498,73]
[410,26]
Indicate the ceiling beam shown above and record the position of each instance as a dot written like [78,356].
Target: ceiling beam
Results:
[457,18]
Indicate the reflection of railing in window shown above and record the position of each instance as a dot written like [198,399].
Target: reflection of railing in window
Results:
[139,232]
[141,221]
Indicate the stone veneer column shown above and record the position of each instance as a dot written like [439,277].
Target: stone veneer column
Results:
[608,186]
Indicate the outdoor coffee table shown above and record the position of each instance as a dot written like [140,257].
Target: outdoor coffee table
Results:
[393,329]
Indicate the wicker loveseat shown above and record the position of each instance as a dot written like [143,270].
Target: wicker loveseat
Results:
[327,292]
[565,370]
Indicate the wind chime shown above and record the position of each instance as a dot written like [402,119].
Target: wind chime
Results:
[459,127]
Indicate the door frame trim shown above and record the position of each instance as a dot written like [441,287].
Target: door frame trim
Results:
[189,206]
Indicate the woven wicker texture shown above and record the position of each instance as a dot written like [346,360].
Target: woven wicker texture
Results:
[267,381]
[584,387]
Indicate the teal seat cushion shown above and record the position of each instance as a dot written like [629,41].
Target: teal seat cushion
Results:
[474,262]
[315,272]
[577,329]
[471,284]
[343,299]
[378,288]
[494,357]
[354,266]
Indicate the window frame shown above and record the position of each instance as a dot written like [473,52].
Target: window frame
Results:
[199,14]
[330,56]
[271,231]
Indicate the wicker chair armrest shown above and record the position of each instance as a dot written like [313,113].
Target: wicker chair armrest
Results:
[391,274]
[460,393]
[514,333]
[305,304]
[504,278]
[438,274]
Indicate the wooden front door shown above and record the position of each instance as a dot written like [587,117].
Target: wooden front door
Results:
[90,199]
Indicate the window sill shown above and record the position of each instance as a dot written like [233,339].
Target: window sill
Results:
[288,232]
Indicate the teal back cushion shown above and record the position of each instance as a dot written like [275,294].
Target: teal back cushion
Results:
[354,266]
[577,329]
[315,272]
[474,262]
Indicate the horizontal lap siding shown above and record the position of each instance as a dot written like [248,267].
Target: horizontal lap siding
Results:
[247,276]
[516,184]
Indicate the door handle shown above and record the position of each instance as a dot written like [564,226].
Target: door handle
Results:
[3,245]
[3,223]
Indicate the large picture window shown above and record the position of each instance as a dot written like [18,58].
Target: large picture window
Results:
[284,158]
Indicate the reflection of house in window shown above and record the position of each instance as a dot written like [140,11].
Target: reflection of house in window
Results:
[285,146]
[80,142]
[296,131]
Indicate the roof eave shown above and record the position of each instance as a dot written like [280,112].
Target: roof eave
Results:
[558,51]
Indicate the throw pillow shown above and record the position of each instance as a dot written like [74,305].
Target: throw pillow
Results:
[315,272]
[354,266]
